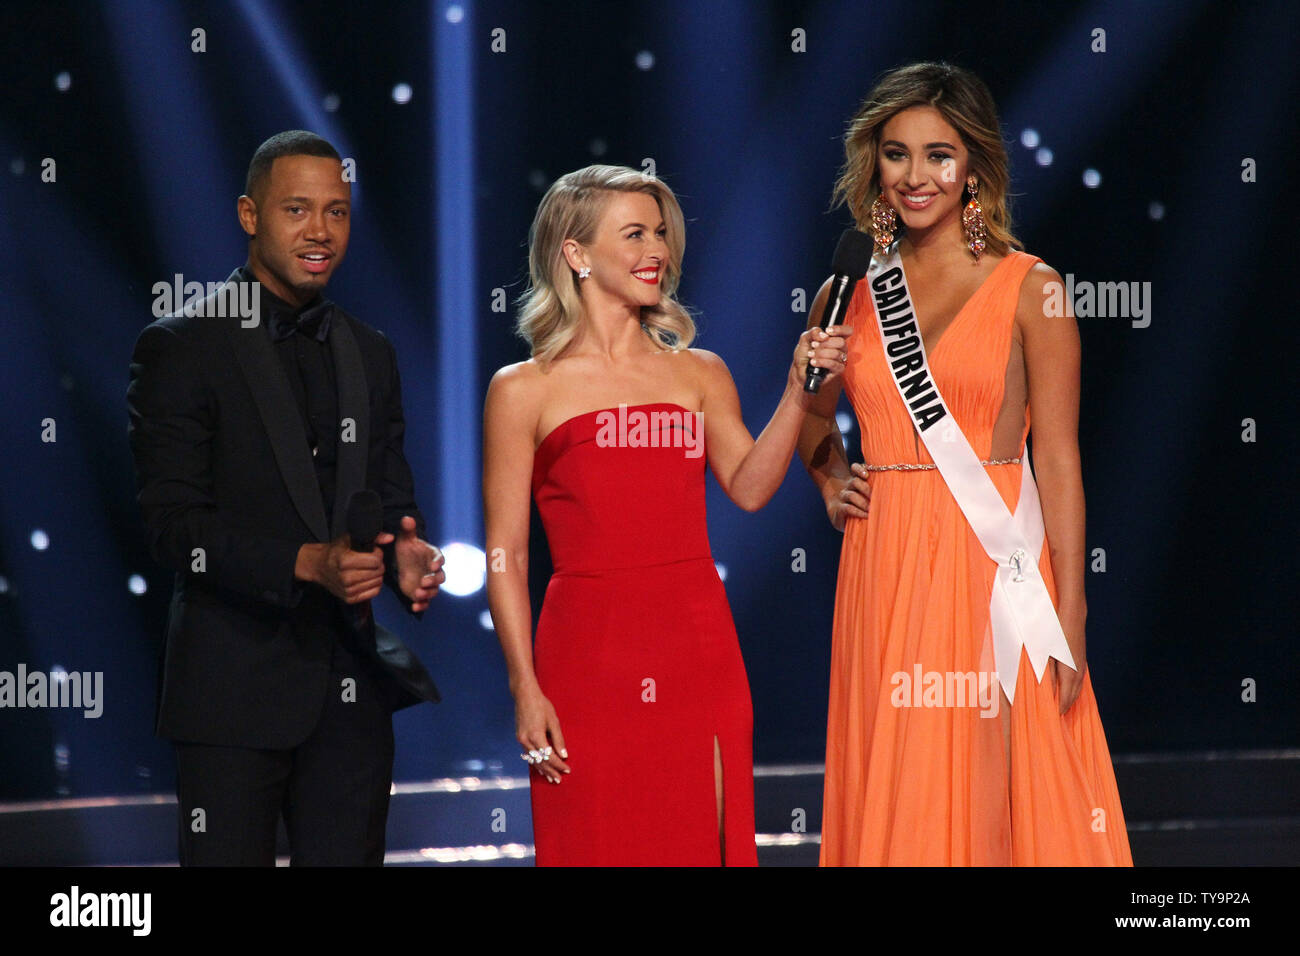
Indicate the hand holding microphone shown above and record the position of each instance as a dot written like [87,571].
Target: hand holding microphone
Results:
[351,567]
[351,576]
[824,348]
[820,356]
[419,564]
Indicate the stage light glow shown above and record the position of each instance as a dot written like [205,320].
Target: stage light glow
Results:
[136,584]
[462,854]
[402,93]
[1156,211]
[1091,178]
[721,569]
[466,568]
[1029,138]
[485,620]
[845,422]
[645,60]
[330,103]
[454,287]
[292,69]
[1043,157]
[63,81]
[40,540]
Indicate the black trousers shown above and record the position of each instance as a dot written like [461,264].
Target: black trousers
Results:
[333,788]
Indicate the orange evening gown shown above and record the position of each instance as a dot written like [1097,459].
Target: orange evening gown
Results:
[637,650]
[927,785]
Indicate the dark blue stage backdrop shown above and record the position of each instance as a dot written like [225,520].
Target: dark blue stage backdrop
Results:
[1158,153]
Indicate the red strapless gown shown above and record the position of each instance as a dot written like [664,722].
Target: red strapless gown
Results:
[637,651]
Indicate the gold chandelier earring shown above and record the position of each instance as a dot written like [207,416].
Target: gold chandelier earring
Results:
[883,220]
[972,220]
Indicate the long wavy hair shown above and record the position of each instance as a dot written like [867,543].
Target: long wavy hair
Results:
[550,308]
[967,105]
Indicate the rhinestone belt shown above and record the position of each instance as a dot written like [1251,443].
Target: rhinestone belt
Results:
[923,467]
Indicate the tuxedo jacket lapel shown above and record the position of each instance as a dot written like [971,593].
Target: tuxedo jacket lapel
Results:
[414,682]
[280,415]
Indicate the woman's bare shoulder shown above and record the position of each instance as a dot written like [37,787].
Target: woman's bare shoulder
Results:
[1036,289]
[705,363]
[520,388]
[707,370]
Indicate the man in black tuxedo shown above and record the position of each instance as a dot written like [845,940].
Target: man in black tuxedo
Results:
[250,439]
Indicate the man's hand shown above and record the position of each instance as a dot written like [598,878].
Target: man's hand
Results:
[351,576]
[419,565]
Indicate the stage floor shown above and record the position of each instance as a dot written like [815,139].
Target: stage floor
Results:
[1211,808]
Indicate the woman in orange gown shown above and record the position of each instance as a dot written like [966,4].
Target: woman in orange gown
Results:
[915,776]
[608,427]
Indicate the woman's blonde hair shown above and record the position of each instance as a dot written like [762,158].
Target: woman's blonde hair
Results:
[967,105]
[550,308]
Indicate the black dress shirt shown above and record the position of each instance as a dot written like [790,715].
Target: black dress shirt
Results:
[309,366]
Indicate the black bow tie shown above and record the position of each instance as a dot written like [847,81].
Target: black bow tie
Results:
[313,322]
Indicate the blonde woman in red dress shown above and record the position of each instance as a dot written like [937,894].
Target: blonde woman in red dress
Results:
[632,705]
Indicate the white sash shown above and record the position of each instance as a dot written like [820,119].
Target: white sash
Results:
[1020,610]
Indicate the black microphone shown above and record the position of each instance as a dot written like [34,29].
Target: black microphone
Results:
[852,257]
[365,521]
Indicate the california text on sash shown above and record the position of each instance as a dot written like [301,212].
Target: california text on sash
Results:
[905,349]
